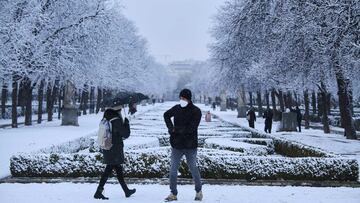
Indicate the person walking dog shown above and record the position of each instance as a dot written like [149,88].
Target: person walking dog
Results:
[184,141]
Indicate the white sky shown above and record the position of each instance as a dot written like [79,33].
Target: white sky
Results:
[177,28]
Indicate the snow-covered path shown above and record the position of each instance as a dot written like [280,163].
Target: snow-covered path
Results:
[82,193]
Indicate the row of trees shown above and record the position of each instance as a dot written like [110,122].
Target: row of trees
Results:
[47,45]
[290,46]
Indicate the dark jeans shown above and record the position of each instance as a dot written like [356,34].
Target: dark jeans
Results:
[299,125]
[190,155]
[268,125]
[119,174]
[252,124]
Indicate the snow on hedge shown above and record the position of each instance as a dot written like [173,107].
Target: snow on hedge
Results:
[154,163]
[89,142]
[241,145]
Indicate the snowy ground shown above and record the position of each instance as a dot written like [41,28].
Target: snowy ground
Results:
[81,193]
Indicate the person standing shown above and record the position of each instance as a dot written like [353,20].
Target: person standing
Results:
[251,117]
[114,157]
[268,115]
[298,117]
[208,117]
[214,106]
[184,141]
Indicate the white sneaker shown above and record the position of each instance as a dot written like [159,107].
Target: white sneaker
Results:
[171,198]
[199,196]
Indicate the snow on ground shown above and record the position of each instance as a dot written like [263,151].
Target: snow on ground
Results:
[38,136]
[81,193]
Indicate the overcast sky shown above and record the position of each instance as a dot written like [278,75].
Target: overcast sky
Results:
[175,29]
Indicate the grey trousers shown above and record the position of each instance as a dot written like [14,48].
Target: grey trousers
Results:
[191,157]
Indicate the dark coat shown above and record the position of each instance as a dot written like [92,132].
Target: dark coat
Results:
[252,115]
[184,131]
[115,155]
[298,115]
[268,115]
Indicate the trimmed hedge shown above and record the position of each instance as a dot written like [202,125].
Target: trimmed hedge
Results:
[154,163]
[288,148]
[247,146]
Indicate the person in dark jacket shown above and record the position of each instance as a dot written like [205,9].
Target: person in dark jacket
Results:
[184,141]
[298,117]
[114,157]
[214,106]
[251,117]
[268,115]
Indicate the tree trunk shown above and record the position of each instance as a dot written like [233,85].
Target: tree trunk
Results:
[60,97]
[259,101]
[48,101]
[251,99]
[343,91]
[85,99]
[92,100]
[267,99]
[345,108]
[307,110]
[14,99]
[98,99]
[313,102]
[328,103]
[4,95]
[40,100]
[21,97]
[319,104]
[296,101]
[28,101]
[325,118]
[273,100]
[351,97]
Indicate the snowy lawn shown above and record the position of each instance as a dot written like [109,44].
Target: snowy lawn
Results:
[33,138]
[81,193]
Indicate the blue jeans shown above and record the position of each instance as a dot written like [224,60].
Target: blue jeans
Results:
[190,155]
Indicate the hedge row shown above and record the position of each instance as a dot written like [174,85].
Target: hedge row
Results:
[154,163]
[248,146]
[288,148]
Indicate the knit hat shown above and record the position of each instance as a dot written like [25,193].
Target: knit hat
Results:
[186,93]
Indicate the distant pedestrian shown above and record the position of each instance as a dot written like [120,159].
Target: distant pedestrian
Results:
[298,117]
[214,106]
[251,117]
[132,108]
[184,141]
[208,117]
[268,115]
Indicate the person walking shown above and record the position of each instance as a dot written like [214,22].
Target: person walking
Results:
[251,117]
[114,157]
[298,117]
[184,141]
[268,115]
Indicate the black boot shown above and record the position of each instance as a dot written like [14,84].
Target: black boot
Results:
[128,193]
[98,194]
